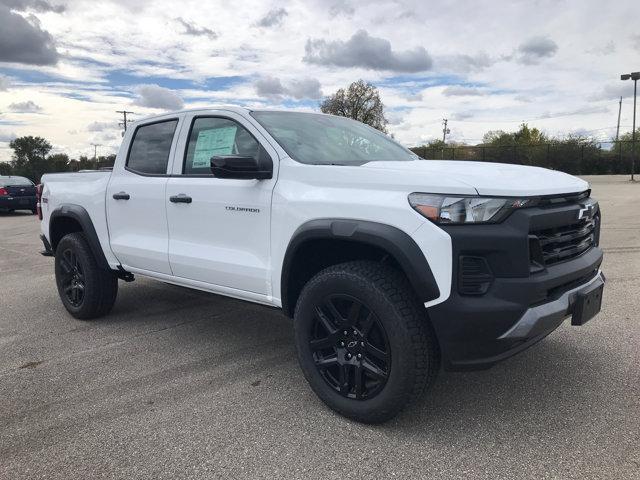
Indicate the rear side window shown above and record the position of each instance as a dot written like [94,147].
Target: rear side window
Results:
[150,148]
[212,136]
[15,182]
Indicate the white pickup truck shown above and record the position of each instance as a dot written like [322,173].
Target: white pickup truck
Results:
[391,266]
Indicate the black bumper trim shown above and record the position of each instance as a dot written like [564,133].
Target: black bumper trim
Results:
[471,329]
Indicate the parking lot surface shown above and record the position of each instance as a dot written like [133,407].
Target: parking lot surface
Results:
[181,384]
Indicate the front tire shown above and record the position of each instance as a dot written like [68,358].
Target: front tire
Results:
[86,290]
[364,342]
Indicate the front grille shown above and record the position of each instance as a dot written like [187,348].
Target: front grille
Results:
[563,243]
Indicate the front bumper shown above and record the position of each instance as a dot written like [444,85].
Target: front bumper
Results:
[17,203]
[546,317]
[522,305]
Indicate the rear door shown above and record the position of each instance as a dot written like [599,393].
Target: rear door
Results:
[222,236]
[136,208]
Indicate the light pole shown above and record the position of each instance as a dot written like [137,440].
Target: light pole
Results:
[635,76]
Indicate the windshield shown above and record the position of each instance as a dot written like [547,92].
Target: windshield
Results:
[15,182]
[329,140]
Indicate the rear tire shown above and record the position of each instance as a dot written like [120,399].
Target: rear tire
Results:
[86,290]
[364,341]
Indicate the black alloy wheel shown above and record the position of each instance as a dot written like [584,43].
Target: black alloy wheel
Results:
[73,281]
[364,341]
[86,290]
[350,347]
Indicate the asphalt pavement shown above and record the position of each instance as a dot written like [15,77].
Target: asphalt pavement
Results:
[177,384]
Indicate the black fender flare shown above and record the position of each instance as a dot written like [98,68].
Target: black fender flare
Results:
[80,215]
[391,239]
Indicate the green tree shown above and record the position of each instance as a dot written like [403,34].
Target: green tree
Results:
[360,101]
[526,146]
[58,162]
[524,136]
[29,156]
[5,168]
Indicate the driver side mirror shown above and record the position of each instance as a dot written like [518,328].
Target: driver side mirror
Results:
[241,167]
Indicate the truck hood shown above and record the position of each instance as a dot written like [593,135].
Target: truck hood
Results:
[489,178]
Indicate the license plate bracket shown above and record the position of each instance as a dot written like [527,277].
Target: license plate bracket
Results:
[587,305]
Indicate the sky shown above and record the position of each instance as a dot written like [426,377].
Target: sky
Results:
[66,67]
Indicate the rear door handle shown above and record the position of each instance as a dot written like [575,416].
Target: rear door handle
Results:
[121,196]
[182,198]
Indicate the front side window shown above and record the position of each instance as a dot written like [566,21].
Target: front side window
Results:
[212,136]
[329,140]
[149,153]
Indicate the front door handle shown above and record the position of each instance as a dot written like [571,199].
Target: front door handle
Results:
[121,196]
[182,198]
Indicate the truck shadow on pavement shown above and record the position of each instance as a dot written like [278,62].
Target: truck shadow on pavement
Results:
[542,385]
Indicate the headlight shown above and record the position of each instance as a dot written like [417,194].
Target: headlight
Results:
[452,209]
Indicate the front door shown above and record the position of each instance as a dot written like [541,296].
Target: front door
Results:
[221,236]
[136,193]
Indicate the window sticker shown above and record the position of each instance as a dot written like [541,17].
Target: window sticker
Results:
[217,141]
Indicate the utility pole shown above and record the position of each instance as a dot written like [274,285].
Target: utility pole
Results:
[619,112]
[95,150]
[95,153]
[635,76]
[124,117]
[445,130]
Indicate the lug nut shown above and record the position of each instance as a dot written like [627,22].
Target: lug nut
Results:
[359,356]
[345,332]
[349,355]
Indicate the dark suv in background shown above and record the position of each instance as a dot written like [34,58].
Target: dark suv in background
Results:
[17,193]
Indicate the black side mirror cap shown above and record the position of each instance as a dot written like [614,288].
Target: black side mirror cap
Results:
[242,167]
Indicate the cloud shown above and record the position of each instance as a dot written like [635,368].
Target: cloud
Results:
[305,88]
[269,87]
[614,90]
[6,137]
[341,7]
[606,49]
[4,83]
[362,50]
[191,28]
[100,126]
[155,96]
[460,91]
[36,5]
[466,63]
[273,18]
[25,107]
[108,137]
[462,116]
[23,41]
[272,87]
[534,49]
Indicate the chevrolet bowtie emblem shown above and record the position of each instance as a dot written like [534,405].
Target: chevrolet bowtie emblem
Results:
[586,211]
